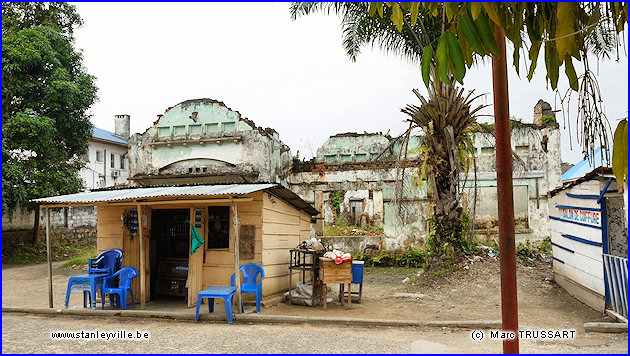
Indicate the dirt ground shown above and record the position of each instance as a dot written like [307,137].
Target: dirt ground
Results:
[471,294]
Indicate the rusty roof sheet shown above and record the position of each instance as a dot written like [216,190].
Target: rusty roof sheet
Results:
[191,191]
[154,192]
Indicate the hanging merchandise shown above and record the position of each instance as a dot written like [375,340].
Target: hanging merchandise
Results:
[197,217]
[197,241]
[130,220]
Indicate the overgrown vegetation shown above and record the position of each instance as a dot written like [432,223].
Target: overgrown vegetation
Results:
[545,120]
[340,228]
[336,197]
[531,252]
[411,258]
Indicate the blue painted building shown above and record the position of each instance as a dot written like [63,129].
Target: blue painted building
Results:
[589,237]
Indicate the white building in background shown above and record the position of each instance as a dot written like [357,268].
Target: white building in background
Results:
[108,164]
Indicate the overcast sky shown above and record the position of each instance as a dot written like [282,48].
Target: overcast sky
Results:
[292,76]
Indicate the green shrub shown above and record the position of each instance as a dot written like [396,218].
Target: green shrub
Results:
[410,258]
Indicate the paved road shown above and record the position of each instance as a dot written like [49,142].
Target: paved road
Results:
[25,333]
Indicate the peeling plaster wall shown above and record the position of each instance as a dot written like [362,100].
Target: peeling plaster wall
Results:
[346,163]
[203,141]
[538,174]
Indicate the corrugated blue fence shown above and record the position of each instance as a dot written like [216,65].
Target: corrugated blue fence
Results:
[616,277]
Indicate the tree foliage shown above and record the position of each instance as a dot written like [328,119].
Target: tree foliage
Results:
[46,92]
[447,118]
[563,31]
[359,30]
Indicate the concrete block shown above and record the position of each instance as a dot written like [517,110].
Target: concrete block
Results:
[606,327]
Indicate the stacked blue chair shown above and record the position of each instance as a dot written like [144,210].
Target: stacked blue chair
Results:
[118,294]
[108,262]
[250,281]
[105,264]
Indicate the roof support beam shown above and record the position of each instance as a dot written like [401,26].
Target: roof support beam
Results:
[50,286]
[143,286]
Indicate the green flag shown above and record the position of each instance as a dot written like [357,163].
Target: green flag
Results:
[197,241]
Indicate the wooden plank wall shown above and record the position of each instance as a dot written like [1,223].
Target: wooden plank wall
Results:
[110,233]
[578,266]
[219,264]
[283,228]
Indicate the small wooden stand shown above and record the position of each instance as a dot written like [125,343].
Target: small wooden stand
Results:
[330,272]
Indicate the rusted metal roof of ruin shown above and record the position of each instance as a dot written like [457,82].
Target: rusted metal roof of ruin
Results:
[189,191]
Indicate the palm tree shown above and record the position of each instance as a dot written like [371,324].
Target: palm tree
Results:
[445,117]
[359,30]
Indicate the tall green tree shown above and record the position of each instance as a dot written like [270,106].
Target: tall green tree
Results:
[46,93]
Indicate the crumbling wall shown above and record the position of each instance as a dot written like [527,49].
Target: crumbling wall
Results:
[341,164]
[537,170]
[72,224]
[204,141]
[365,169]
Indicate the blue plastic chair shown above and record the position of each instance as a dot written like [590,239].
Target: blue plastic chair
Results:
[250,284]
[357,278]
[126,275]
[108,262]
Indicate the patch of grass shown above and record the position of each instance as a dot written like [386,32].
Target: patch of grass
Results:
[342,229]
[83,259]
[36,253]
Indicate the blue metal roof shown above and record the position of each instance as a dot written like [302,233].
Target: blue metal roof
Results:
[108,136]
[584,167]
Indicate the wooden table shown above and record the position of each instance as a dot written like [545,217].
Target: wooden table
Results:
[330,272]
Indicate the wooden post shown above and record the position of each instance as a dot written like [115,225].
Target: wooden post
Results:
[237,262]
[143,287]
[50,286]
[36,225]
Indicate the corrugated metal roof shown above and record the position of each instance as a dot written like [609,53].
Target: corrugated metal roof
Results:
[585,166]
[153,192]
[293,199]
[109,136]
